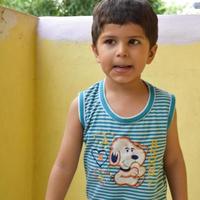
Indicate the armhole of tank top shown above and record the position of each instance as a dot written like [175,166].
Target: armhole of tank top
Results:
[171,109]
[81,109]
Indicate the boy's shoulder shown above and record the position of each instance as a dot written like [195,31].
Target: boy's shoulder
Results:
[92,89]
[164,99]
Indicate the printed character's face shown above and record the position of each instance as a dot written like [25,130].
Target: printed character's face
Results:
[131,154]
[123,51]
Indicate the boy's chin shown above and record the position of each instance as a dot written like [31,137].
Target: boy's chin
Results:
[124,80]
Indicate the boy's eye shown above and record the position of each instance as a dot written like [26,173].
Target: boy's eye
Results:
[110,41]
[134,41]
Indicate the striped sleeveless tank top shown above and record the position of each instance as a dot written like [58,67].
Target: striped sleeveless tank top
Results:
[123,157]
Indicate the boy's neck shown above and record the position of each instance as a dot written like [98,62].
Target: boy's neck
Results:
[126,100]
[138,87]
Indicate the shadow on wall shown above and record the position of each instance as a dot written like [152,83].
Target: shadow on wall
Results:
[44,67]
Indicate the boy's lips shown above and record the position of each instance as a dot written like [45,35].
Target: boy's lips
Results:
[122,68]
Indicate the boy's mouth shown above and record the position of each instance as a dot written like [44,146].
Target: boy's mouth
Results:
[122,68]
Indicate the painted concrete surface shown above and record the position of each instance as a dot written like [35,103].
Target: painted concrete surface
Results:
[173,29]
[17,111]
[66,66]
[8,20]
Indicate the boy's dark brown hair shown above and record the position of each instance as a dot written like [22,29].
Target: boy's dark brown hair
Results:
[122,12]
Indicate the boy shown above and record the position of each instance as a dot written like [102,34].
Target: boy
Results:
[128,126]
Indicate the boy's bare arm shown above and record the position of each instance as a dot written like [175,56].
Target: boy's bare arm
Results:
[68,156]
[175,165]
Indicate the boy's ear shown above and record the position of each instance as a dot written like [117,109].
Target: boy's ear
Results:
[95,51]
[152,53]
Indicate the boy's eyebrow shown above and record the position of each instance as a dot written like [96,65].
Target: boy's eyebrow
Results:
[137,36]
[129,37]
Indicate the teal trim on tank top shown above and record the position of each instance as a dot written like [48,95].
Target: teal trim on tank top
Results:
[81,109]
[171,111]
[121,119]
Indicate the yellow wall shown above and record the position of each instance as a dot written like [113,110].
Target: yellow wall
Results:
[176,69]
[65,68]
[17,71]
[61,74]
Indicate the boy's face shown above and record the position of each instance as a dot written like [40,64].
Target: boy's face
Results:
[123,51]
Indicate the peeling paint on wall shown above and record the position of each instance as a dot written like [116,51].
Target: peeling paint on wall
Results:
[8,20]
[173,29]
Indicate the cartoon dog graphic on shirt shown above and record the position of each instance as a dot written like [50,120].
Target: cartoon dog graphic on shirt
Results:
[129,156]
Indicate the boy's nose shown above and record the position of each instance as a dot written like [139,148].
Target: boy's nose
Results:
[122,51]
